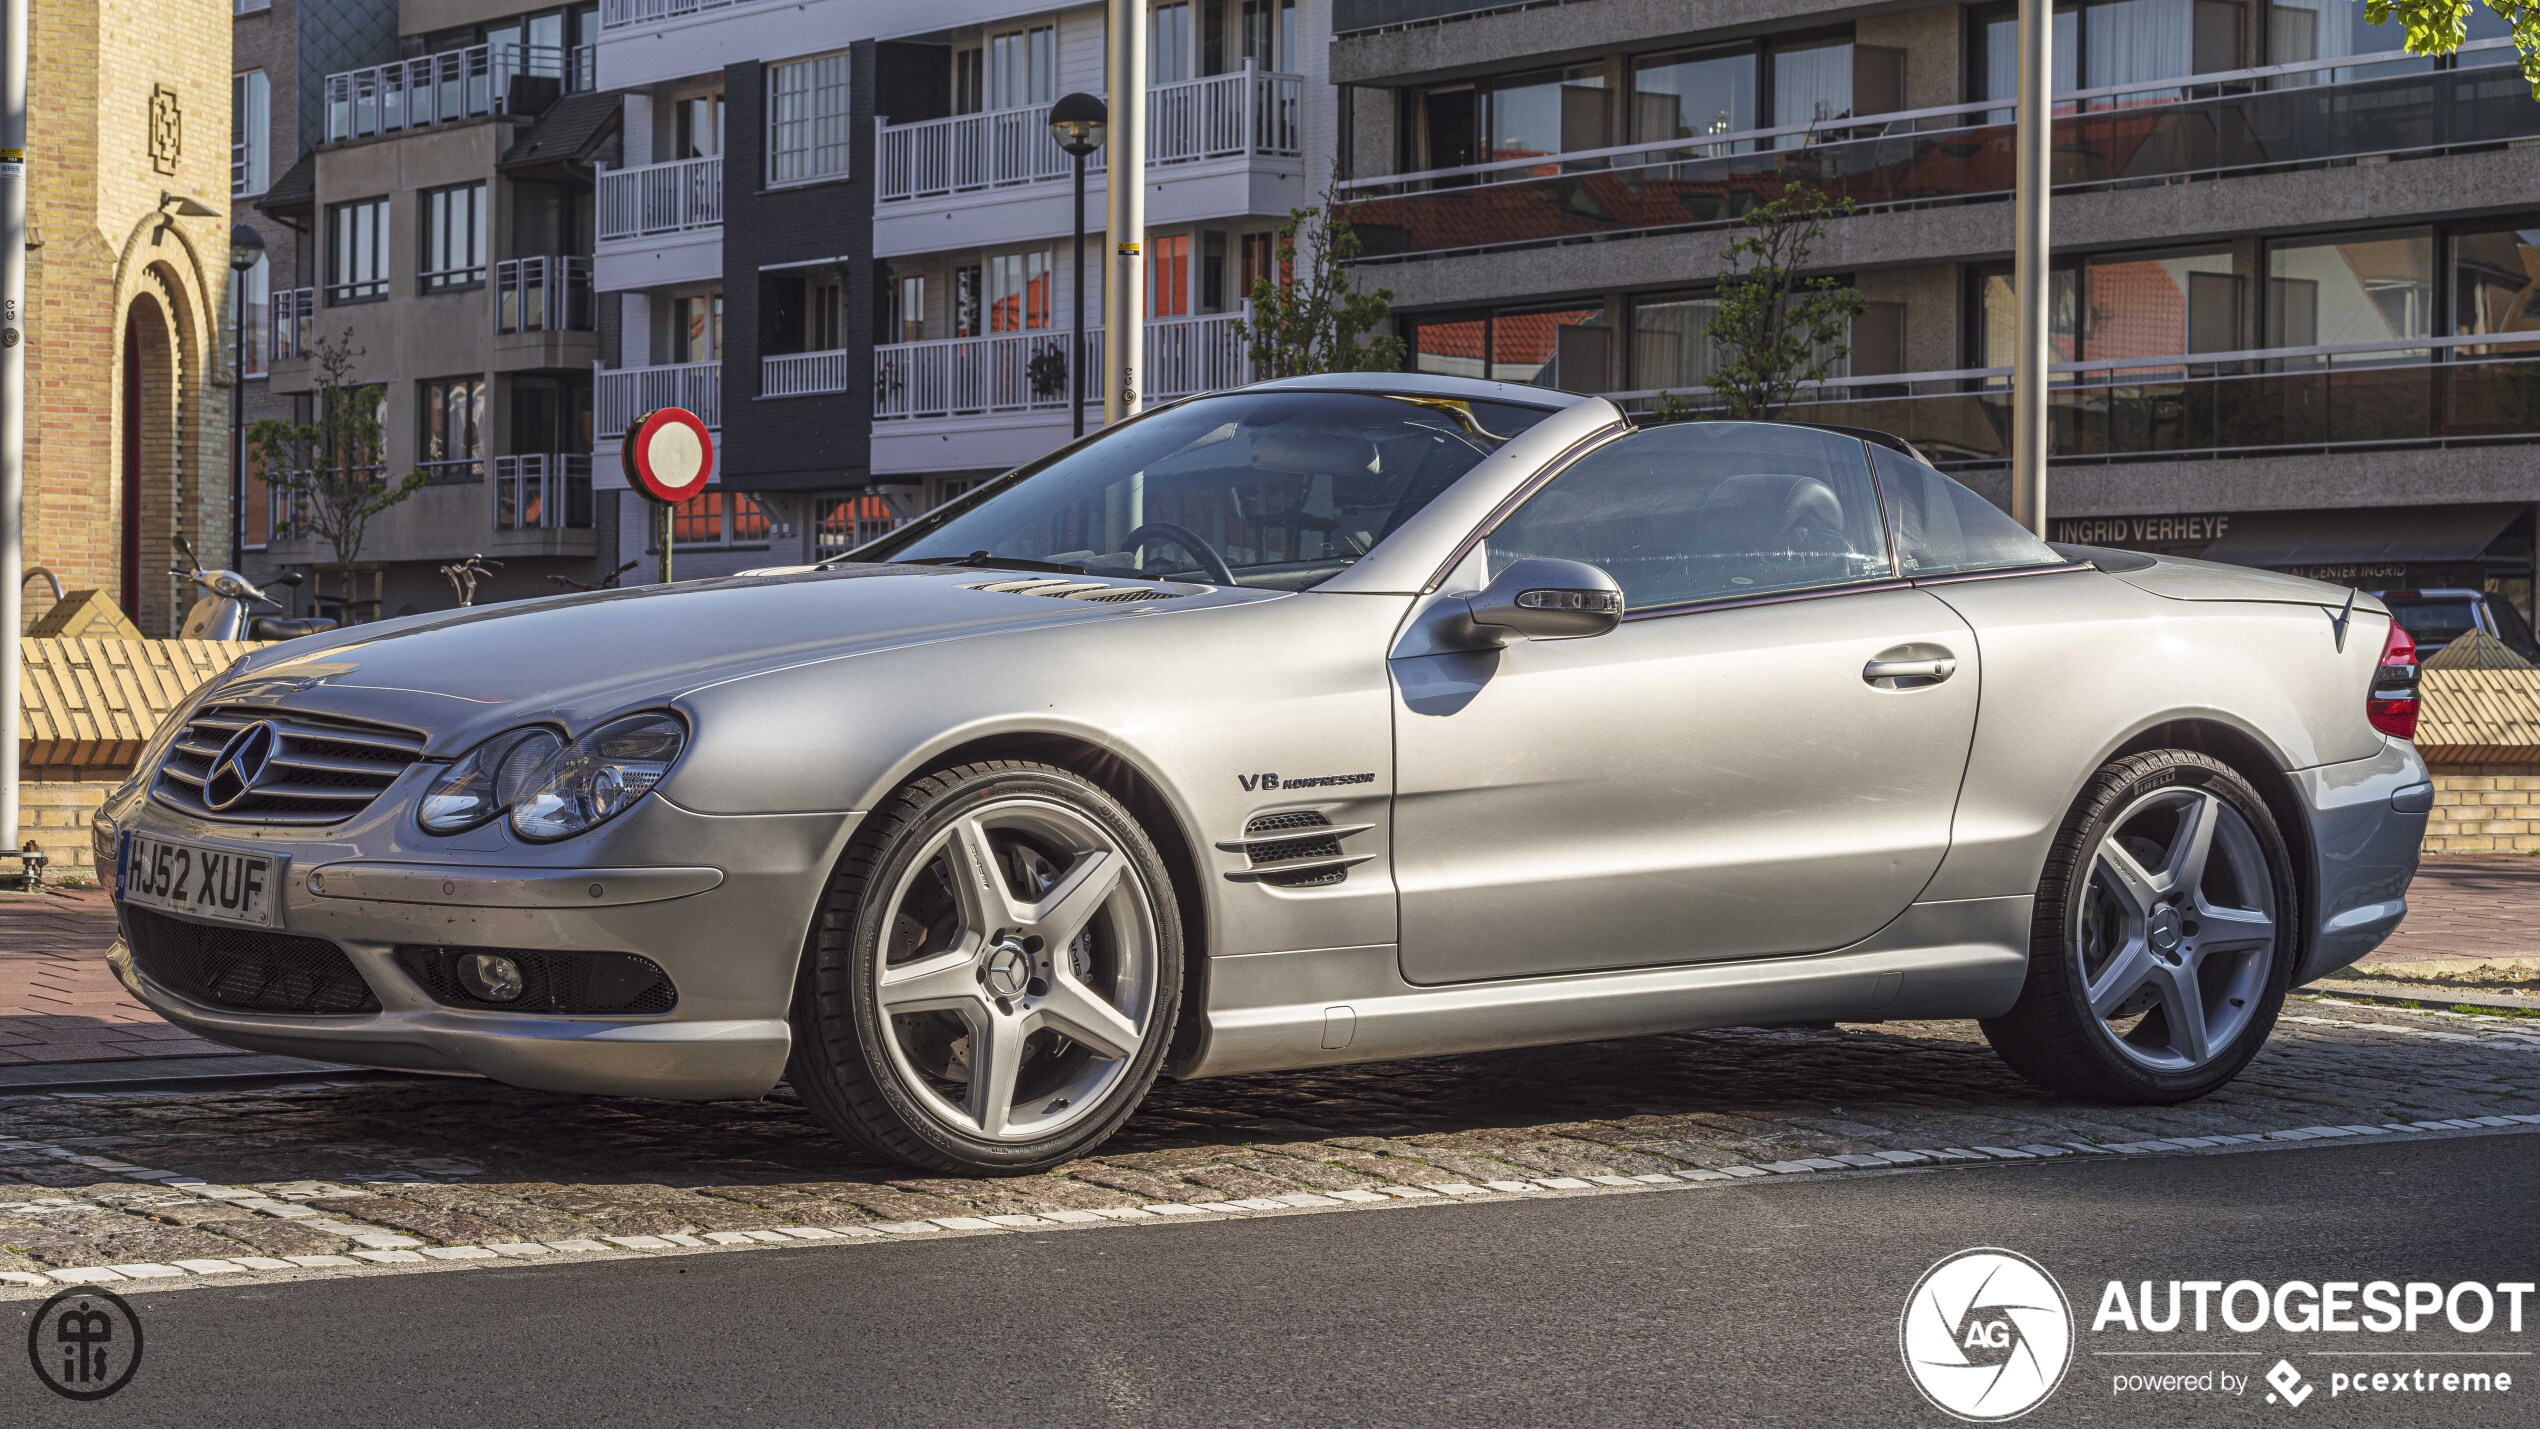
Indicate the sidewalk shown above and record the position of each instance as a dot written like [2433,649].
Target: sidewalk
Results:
[59,1004]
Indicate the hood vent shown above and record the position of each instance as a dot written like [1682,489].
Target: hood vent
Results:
[1299,848]
[1060,588]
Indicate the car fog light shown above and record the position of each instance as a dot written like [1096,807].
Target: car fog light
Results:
[491,977]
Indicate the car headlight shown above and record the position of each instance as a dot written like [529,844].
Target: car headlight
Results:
[488,779]
[598,776]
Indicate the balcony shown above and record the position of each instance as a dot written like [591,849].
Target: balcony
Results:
[545,294]
[1222,116]
[440,89]
[635,14]
[294,323]
[682,196]
[1028,371]
[2416,392]
[2209,126]
[621,395]
[543,491]
[804,374]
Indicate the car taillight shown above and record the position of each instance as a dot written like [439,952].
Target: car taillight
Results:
[2392,705]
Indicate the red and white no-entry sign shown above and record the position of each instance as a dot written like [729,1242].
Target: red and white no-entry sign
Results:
[668,455]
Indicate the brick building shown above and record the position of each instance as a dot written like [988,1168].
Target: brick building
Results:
[127,370]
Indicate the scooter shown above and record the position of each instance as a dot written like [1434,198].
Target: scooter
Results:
[224,611]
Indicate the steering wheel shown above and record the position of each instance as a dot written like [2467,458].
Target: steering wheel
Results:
[1192,543]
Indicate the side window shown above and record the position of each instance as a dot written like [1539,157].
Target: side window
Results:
[1708,511]
[1942,528]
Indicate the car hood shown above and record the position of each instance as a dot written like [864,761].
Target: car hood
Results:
[459,675]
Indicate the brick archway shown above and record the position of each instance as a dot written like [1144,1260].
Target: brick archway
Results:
[148,462]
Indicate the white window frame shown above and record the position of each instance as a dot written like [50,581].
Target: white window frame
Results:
[810,120]
[250,133]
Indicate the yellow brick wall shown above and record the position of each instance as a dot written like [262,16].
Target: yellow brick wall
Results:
[55,813]
[93,206]
[2485,808]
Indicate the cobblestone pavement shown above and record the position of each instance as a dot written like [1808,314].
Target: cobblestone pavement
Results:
[58,1002]
[377,1175]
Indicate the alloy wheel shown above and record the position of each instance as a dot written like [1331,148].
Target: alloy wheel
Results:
[2176,929]
[1018,977]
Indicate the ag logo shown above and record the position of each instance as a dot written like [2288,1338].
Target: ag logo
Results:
[1986,1335]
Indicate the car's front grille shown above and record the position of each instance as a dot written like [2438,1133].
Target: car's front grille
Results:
[246,969]
[313,769]
[566,982]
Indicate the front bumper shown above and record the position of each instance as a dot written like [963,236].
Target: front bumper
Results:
[720,903]
[2368,821]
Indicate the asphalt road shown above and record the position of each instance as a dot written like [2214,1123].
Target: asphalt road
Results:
[1771,1303]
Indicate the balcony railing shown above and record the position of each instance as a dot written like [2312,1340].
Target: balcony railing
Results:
[435,89]
[1028,371]
[627,14]
[543,491]
[623,394]
[677,197]
[1246,111]
[2404,392]
[2282,116]
[294,322]
[551,293]
[801,374]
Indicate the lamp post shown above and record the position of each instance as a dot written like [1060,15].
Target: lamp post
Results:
[1078,122]
[2032,181]
[246,250]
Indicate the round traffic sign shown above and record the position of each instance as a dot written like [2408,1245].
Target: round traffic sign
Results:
[668,455]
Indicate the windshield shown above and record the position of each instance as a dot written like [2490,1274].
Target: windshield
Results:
[1275,489]
[2432,620]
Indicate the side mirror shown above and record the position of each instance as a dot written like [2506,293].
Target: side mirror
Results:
[1540,598]
[289,578]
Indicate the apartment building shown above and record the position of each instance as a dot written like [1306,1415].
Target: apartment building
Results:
[2294,283]
[842,233]
[438,229]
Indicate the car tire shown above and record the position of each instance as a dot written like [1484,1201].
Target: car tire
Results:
[917,984]
[2125,1002]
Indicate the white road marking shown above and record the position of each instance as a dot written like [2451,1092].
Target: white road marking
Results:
[413,1255]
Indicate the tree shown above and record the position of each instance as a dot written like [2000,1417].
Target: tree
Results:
[332,471]
[1318,320]
[2438,27]
[1773,329]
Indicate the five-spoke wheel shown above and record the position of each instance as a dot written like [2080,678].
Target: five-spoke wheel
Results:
[995,976]
[2162,941]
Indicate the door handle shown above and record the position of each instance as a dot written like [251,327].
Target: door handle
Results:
[1892,674]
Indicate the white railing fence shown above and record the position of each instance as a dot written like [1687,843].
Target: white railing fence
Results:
[800,374]
[675,197]
[550,293]
[434,89]
[626,14]
[294,322]
[1250,110]
[621,395]
[1029,371]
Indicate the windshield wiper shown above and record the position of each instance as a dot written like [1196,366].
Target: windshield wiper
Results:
[983,558]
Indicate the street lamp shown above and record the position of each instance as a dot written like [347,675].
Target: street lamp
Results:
[246,250]
[1077,122]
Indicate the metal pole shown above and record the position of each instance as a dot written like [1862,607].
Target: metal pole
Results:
[238,429]
[1076,325]
[661,537]
[12,394]
[2030,277]
[1125,210]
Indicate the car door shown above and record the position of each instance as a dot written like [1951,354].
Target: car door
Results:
[1761,759]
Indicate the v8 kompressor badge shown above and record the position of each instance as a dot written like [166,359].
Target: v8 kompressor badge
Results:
[1255,783]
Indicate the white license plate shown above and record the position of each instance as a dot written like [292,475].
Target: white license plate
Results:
[200,882]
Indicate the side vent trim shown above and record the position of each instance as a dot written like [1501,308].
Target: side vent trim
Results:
[1294,848]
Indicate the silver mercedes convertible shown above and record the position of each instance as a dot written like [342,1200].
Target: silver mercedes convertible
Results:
[1321,721]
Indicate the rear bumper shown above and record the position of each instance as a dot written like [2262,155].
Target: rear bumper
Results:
[2368,821]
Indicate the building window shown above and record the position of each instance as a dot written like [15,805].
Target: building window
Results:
[908,309]
[1023,67]
[1169,276]
[1169,44]
[1689,96]
[966,314]
[2352,288]
[453,238]
[809,132]
[696,127]
[1019,291]
[696,328]
[357,251]
[716,517]
[250,7]
[824,314]
[2493,287]
[969,85]
[1563,348]
[250,133]
[250,299]
[453,445]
